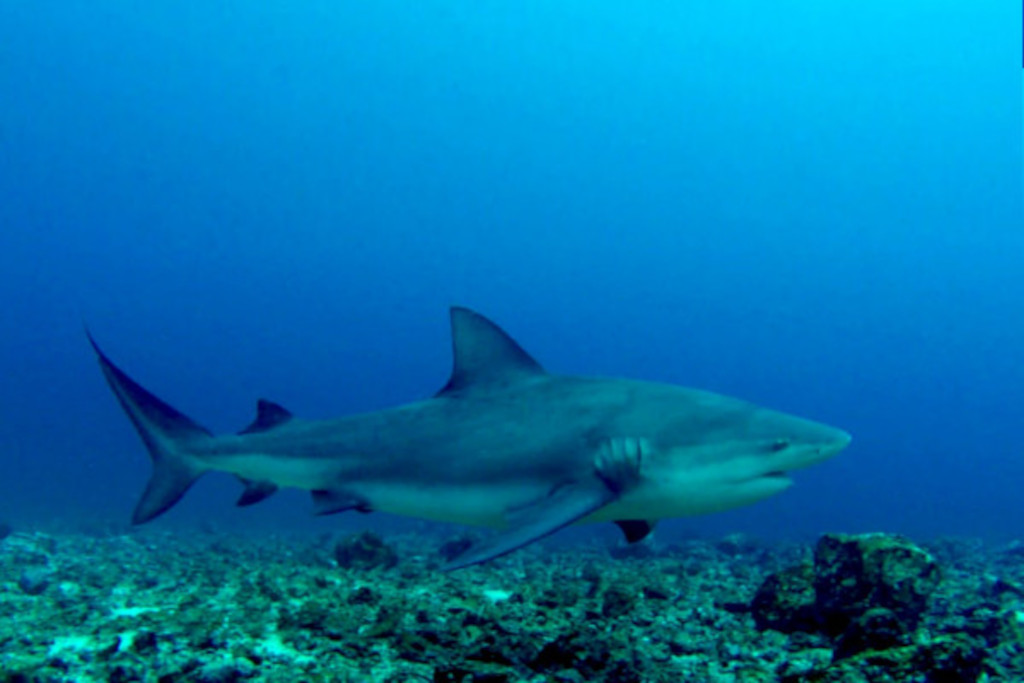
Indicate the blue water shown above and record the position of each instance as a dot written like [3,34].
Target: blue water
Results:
[813,206]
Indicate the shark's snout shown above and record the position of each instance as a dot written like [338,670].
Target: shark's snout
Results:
[800,443]
[839,441]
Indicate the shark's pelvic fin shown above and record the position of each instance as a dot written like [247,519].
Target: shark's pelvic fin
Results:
[165,431]
[635,530]
[484,355]
[331,502]
[616,469]
[268,416]
[255,492]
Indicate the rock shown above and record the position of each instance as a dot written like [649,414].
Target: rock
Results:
[876,629]
[1014,549]
[869,591]
[34,580]
[363,595]
[365,551]
[225,671]
[950,659]
[806,662]
[735,545]
[786,601]
[5,530]
[998,587]
[451,549]
[853,574]
[618,600]
[942,660]
[573,652]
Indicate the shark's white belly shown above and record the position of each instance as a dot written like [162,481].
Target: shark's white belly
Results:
[700,492]
[689,497]
[475,506]
[310,474]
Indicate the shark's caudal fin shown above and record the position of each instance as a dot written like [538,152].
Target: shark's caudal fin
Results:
[167,434]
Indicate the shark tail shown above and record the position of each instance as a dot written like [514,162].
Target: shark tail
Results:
[167,434]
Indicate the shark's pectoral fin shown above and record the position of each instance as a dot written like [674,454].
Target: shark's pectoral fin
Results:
[635,530]
[616,469]
[565,505]
[255,492]
[332,502]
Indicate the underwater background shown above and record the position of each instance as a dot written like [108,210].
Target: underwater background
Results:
[813,206]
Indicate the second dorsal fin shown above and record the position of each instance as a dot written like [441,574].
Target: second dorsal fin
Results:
[484,355]
[268,416]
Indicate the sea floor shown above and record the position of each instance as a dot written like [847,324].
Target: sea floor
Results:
[215,607]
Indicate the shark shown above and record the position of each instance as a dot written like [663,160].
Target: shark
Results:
[504,444]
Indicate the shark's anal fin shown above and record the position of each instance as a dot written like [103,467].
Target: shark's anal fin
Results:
[635,530]
[332,502]
[255,492]
[268,416]
[616,469]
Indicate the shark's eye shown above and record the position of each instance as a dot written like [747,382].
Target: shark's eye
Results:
[779,445]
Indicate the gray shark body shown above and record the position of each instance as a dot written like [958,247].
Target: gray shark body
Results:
[504,444]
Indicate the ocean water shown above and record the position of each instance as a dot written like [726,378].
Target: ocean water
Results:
[813,206]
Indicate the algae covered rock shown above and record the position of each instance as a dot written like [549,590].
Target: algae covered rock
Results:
[365,551]
[618,600]
[876,629]
[786,601]
[871,590]
[853,574]
[34,580]
[942,660]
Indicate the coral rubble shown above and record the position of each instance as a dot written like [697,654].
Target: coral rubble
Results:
[207,607]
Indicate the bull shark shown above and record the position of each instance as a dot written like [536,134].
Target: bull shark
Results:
[503,444]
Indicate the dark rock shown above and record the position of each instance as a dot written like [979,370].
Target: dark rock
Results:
[853,574]
[840,594]
[387,623]
[365,551]
[557,597]
[737,545]
[449,550]
[633,551]
[451,674]
[34,580]
[5,530]
[943,660]
[591,577]
[999,587]
[491,677]
[950,660]
[786,601]
[1014,549]
[653,592]
[876,629]
[573,651]
[364,595]
[617,600]
[144,642]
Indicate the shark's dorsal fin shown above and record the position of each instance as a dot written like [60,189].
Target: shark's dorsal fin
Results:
[484,355]
[268,416]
